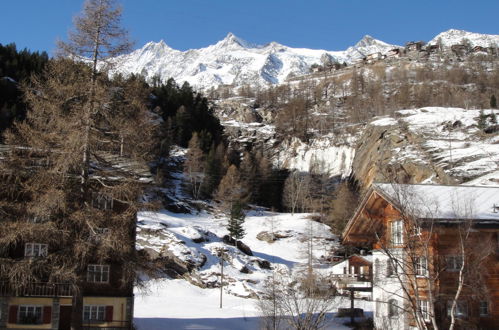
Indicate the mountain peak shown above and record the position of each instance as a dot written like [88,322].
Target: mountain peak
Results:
[232,40]
[454,37]
[157,46]
[368,41]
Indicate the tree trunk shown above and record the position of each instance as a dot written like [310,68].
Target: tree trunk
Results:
[77,310]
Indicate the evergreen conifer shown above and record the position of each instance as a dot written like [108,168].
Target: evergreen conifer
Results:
[236,220]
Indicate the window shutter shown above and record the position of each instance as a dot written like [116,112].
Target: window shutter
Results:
[47,314]
[13,313]
[109,313]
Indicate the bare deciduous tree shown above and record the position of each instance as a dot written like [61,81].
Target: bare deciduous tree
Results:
[74,163]
[296,192]
[286,301]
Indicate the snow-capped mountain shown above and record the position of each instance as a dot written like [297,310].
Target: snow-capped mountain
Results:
[235,61]
[454,37]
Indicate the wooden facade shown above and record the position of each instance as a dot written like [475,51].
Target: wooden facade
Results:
[428,256]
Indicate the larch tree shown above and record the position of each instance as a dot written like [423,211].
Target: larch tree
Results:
[195,167]
[230,190]
[77,159]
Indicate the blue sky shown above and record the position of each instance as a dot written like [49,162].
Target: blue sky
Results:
[321,24]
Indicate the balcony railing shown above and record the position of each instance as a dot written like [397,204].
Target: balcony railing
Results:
[37,290]
[117,325]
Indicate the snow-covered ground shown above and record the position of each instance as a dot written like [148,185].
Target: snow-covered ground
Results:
[196,239]
[177,304]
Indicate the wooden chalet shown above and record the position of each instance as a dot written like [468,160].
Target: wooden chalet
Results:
[107,300]
[420,236]
[414,46]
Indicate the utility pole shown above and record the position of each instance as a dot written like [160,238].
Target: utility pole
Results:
[221,276]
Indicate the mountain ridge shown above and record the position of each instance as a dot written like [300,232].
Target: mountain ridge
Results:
[235,61]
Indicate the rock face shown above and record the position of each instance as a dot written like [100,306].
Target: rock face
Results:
[387,152]
[239,109]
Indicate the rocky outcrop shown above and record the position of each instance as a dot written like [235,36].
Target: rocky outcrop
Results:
[388,152]
[239,109]
[240,245]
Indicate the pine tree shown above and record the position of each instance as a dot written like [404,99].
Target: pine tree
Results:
[493,102]
[236,221]
[482,120]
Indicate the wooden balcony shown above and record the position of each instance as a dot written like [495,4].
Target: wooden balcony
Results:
[37,290]
[116,325]
[345,280]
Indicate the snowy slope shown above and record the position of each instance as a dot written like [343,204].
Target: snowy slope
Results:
[450,139]
[177,304]
[454,37]
[235,61]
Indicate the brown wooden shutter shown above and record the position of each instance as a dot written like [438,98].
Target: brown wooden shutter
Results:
[109,313]
[13,313]
[47,314]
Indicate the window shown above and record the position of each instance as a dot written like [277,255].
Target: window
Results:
[94,313]
[30,314]
[393,309]
[102,201]
[421,266]
[99,234]
[397,232]
[392,268]
[35,250]
[461,309]
[484,308]
[376,269]
[453,263]
[98,273]
[389,269]
[424,309]
[416,231]
[378,307]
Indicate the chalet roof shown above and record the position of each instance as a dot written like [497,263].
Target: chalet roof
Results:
[443,202]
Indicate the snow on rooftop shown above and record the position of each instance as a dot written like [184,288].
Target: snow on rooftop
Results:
[444,202]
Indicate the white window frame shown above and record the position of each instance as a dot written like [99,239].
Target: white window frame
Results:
[33,250]
[421,266]
[424,308]
[483,308]
[98,273]
[453,263]
[416,231]
[102,201]
[30,311]
[397,232]
[94,313]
